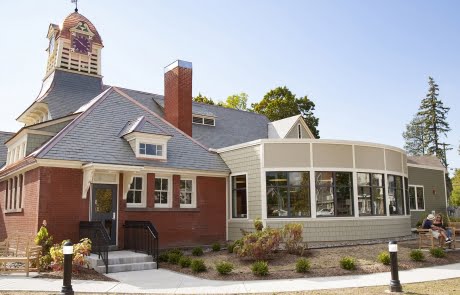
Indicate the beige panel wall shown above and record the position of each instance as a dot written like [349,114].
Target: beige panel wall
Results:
[394,162]
[330,230]
[434,190]
[369,157]
[405,163]
[293,133]
[286,155]
[332,155]
[247,160]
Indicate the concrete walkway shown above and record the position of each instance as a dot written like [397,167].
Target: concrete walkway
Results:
[165,281]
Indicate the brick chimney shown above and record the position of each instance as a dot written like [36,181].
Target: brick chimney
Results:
[178,95]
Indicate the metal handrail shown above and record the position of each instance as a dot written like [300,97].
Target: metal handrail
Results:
[142,236]
[100,240]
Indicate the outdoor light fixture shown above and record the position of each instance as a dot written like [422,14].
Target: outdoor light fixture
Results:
[395,285]
[67,250]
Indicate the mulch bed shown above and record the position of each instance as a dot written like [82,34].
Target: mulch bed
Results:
[82,274]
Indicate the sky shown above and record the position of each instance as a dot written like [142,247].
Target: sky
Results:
[365,64]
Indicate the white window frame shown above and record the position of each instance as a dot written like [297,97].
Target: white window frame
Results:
[231,196]
[145,149]
[193,203]
[15,193]
[416,197]
[169,191]
[143,202]
[202,120]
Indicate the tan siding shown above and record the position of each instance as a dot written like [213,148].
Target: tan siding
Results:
[293,133]
[434,189]
[393,160]
[369,158]
[247,160]
[332,155]
[405,163]
[287,155]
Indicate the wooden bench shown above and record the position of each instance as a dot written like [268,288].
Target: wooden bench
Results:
[426,239]
[21,250]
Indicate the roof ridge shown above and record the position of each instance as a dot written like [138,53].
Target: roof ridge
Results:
[160,118]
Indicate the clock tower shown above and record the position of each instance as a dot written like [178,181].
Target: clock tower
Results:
[74,46]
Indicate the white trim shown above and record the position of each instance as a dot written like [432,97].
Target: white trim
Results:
[194,194]
[169,191]
[143,202]
[263,189]
[231,196]
[60,163]
[226,207]
[415,186]
[202,117]
[445,188]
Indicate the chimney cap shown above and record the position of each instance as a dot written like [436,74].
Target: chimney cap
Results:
[178,63]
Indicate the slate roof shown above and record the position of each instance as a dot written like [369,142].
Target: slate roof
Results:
[142,125]
[432,161]
[94,137]
[4,136]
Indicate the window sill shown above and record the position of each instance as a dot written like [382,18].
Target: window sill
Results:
[14,211]
[164,209]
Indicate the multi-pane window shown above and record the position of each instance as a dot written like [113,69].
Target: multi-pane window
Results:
[288,194]
[186,193]
[406,194]
[203,120]
[134,196]
[395,195]
[334,194]
[416,197]
[239,196]
[371,194]
[148,149]
[161,191]
[14,193]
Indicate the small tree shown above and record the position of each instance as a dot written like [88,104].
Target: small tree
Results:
[455,195]
[203,99]
[237,101]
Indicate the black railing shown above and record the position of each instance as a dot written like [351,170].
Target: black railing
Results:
[142,236]
[100,240]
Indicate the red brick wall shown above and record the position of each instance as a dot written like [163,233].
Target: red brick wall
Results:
[178,98]
[188,227]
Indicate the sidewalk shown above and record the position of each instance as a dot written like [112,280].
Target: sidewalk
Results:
[165,281]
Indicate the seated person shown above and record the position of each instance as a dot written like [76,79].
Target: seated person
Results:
[440,224]
[436,231]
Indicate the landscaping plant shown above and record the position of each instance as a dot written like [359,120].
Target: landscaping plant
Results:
[230,247]
[80,251]
[163,257]
[198,265]
[292,237]
[384,257]
[258,224]
[197,251]
[302,265]
[417,255]
[46,241]
[185,261]
[224,267]
[174,257]
[348,263]
[437,252]
[260,268]
[216,247]
[259,245]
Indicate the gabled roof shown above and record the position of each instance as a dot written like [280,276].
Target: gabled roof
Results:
[94,137]
[4,136]
[281,128]
[197,109]
[142,125]
[428,160]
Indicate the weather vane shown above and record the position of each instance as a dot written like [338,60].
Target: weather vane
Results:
[76,4]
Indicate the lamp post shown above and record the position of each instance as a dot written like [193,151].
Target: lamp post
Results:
[395,285]
[67,250]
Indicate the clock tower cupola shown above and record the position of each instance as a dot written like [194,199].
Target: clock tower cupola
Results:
[74,46]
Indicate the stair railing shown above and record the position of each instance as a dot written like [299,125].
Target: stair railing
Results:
[142,236]
[100,240]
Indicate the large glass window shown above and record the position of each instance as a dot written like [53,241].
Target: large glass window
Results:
[416,197]
[134,196]
[334,196]
[395,195]
[239,197]
[161,192]
[406,194]
[187,193]
[288,194]
[371,194]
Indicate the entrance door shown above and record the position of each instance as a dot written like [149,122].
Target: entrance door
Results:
[104,208]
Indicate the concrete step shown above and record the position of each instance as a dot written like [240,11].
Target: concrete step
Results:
[121,260]
[127,267]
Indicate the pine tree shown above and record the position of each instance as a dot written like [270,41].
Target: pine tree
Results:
[415,137]
[433,116]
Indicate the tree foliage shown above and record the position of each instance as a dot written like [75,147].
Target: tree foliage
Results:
[237,101]
[415,137]
[455,194]
[280,103]
[203,99]
[433,118]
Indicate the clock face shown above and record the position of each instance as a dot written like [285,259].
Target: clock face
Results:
[81,44]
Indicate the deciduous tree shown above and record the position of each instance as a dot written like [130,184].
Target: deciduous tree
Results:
[237,101]
[455,195]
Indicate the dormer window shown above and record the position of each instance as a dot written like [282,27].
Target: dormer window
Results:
[203,120]
[148,149]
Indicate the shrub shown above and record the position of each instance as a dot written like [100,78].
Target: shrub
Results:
[259,245]
[417,255]
[224,267]
[302,265]
[258,224]
[292,237]
[163,257]
[260,268]
[384,257]
[348,263]
[46,241]
[437,252]
[176,251]
[216,247]
[197,251]
[230,247]
[185,261]
[174,257]
[198,265]
[236,246]
[80,250]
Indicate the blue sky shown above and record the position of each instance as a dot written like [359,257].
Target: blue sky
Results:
[364,63]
